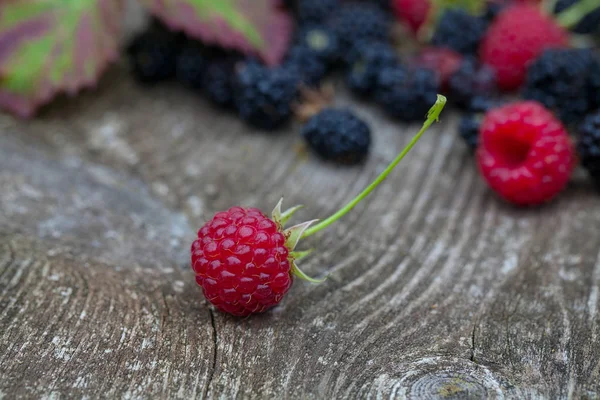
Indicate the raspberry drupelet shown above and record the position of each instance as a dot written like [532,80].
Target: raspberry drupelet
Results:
[246,262]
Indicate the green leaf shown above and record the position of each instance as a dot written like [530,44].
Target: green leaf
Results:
[49,46]
[257,27]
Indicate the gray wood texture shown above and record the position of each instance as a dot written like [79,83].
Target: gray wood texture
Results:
[437,289]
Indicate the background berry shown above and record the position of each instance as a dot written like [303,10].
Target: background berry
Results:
[152,55]
[524,153]
[559,80]
[470,80]
[191,63]
[588,145]
[517,36]
[338,135]
[356,22]
[263,96]
[406,94]
[362,75]
[459,31]
[315,11]
[322,41]
[218,79]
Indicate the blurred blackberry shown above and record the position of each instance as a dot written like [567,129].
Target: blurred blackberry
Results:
[190,64]
[588,145]
[152,55]
[594,83]
[470,80]
[322,41]
[315,11]
[493,8]
[218,79]
[355,22]
[263,96]
[363,72]
[470,122]
[406,95]
[459,31]
[306,64]
[588,24]
[559,80]
[481,104]
[468,129]
[338,135]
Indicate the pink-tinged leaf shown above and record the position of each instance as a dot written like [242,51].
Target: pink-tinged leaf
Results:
[258,27]
[52,46]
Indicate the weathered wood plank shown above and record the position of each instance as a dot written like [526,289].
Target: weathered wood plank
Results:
[436,289]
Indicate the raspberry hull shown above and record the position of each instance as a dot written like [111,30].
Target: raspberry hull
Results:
[241,261]
[525,154]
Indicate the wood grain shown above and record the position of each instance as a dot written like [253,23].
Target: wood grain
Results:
[437,289]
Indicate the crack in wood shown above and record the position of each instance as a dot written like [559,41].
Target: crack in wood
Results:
[214,355]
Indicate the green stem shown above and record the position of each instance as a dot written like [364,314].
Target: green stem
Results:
[432,116]
[572,15]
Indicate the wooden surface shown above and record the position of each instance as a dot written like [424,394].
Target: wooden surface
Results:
[437,289]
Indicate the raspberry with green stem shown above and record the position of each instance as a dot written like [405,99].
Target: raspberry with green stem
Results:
[245,262]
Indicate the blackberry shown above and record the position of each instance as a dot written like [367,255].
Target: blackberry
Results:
[594,83]
[190,64]
[356,22]
[263,96]
[470,122]
[152,55]
[322,41]
[315,11]
[469,80]
[468,129]
[338,135]
[218,79]
[588,24]
[459,31]
[406,95]
[559,80]
[363,72]
[588,145]
[306,65]
[481,104]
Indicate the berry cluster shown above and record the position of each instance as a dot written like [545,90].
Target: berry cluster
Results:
[472,51]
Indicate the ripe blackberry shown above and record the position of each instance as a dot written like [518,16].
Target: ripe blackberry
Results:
[588,24]
[470,80]
[338,135]
[152,55]
[315,11]
[306,65]
[191,64]
[588,145]
[459,31]
[559,80]
[594,83]
[322,41]
[468,129]
[363,72]
[218,79]
[406,94]
[470,122]
[263,96]
[355,22]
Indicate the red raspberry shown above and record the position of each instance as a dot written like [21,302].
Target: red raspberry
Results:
[241,261]
[516,37]
[443,61]
[525,153]
[412,12]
